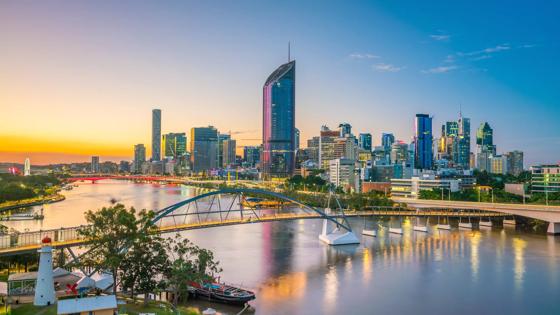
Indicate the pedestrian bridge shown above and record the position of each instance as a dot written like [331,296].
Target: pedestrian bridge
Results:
[233,207]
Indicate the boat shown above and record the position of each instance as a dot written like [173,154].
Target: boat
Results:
[221,292]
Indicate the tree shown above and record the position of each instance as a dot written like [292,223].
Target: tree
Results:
[145,261]
[189,264]
[110,232]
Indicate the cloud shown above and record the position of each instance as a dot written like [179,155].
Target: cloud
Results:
[384,67]
[441,69]
[490,50]
[440,37]
[481,57]
[449,59]
[527,46]
[363,56]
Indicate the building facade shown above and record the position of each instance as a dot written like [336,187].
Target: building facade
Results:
[545,179]
[174,145]
[156,134]
[364,141]
[423,140]
[515,162]
[139,157]
[229,148]
[341,173]
[95,164]
[204,149]
[278,156]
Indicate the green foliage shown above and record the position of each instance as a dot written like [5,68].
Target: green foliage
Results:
[13,187]
[189,263]
[310,183]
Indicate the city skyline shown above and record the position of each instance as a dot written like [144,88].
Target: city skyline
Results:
[78,109]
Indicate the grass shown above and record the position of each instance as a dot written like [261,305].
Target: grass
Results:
[29,309]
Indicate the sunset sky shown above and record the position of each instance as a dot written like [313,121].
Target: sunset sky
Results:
[79,78]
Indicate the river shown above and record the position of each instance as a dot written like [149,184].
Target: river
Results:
[490,271]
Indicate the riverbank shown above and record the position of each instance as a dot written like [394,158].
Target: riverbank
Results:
[11,205]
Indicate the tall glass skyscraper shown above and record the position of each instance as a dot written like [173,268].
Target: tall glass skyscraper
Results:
[423,139]
[462,148]
[279,100]
[156,134]
[365,141]
[387,140]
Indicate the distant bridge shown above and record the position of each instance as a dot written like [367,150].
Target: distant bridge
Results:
[549,214]
[223,208]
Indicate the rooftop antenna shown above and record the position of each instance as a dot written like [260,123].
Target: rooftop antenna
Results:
[289,59]
[460,110]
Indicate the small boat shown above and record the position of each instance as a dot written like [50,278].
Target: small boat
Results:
[220,292]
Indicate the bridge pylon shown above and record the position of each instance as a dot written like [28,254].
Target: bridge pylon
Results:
[332,233]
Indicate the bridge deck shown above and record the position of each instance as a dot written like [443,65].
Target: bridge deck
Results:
[30,241]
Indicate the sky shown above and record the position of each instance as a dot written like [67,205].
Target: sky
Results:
[80,78]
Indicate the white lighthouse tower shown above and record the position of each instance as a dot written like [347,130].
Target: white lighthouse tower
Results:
[44,288]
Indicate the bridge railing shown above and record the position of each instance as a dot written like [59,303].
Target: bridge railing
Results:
[35,237]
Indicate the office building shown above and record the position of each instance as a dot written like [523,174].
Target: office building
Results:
[204,149]
[124,167]
[499,164]
[345,130]
[221,139]
[545,179]
[485,139]
[364,141]
[411,187]
[229,149]
[387,140]
[252,155]
[27,167]
[156,134]
[341,173]
[462,143]
[139,157]
[174,145]
[345,148]
[297,139]
[515,162]
[278,156]
[95,164]
[423,150]
[326,146]
[399,153]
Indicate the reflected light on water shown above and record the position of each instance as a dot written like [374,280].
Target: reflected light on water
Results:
[331,288]
[287,287]
[366,265]
[518,262]
[475,259]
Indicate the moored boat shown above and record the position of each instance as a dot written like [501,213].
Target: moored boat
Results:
[220,292]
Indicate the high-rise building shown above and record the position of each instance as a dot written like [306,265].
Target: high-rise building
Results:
[312,149]
[204,148]
[174,145]
[365,141]
[156,134]
[515,162]
[485,138]
[221,138]
[499,164]
[399,153]
[462,145]
[95,164]
[297,139]
[345,148]
[279,100]
[27,167]
[326,146]
[341,173]
[124,167]
[229,148]
[139,157]
[423,150]
[387,140]
[252,155]
[345,130]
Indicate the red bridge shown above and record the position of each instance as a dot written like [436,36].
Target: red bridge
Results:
[94,178]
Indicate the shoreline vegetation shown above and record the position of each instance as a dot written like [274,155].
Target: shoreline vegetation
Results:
[30,202]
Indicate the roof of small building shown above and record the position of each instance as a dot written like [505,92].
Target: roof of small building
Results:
[86,304]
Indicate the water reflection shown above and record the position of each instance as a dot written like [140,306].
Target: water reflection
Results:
[519,262]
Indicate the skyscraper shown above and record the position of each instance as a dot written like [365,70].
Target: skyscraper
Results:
[515,162]
[462,147]
[139,157]
[229,148]
[222,137]
[95,164]
[156,134]
[297,139]
[485,138]
[27,167]
[327,146]
[174,145]
[345,130]
[252,155]
[423,149]
[278,157]
[204,148]
[387,140]
[365,141]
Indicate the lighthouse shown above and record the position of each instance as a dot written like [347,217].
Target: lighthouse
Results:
[44,288]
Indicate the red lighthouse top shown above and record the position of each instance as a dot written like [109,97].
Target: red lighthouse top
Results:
[46,240]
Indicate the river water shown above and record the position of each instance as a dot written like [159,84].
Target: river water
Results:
[490,271]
